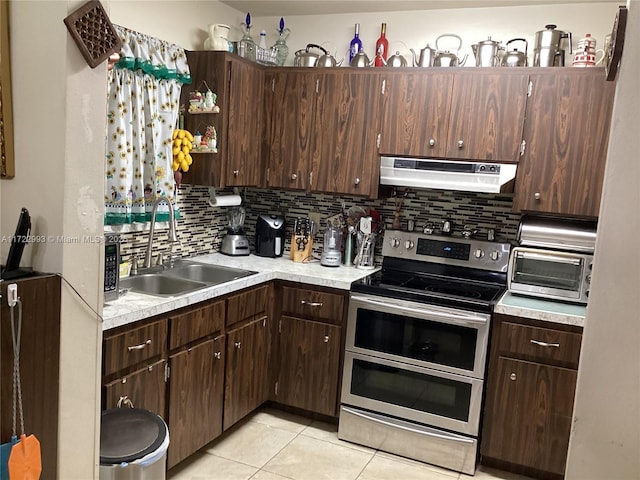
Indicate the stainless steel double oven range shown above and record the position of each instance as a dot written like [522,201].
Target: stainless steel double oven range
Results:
[416,348]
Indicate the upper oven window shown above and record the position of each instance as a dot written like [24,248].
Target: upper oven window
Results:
[419,339]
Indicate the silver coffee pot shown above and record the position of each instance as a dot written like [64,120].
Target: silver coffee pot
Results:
[547,51]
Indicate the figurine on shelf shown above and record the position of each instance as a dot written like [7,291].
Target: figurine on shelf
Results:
[212,138]
[195,101]
[210,102]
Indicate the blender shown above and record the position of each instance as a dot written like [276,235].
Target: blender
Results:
[332,250]
[235,241]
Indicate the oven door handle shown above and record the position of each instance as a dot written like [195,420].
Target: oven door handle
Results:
[545,257]
[403,427]
[459,318]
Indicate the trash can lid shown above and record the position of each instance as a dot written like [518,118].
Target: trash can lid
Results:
[127,434]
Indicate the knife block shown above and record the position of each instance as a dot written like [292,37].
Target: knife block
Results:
[303,255]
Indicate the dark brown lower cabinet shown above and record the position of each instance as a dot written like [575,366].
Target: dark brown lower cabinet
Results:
[195,398]
[247,370]
[144,388]
[530,391]
[39,364]
[309,365]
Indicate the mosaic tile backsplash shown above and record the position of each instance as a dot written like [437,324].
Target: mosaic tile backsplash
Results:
[202,226]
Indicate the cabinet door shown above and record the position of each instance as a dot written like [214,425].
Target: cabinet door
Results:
[416,110]
[309,365]
[195,398]
[247,374]
[344,155]
[529,408]
[566,134]
[487,116]
[144,388]
[242,162]
[289,106]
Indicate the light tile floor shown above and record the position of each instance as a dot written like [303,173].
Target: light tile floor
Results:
[275,445]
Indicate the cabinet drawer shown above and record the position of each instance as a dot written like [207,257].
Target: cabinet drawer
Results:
[134,346]
[144,388]
[247,305]
[543,345]
[321,306]
[195,324]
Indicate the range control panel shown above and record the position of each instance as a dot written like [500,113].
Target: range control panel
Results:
[450,250]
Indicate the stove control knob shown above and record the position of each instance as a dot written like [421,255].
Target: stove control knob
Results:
[408,244]
[495,255]
[394,242]
[479,253]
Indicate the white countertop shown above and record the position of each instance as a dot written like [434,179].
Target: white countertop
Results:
[540,309]
[134,306]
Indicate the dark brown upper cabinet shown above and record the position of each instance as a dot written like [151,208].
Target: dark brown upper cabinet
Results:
[239,86]
[566,135]
[467,114]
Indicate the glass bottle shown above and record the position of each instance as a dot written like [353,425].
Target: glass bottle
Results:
[246,45]
[382,47]
[281,48]
[356,43]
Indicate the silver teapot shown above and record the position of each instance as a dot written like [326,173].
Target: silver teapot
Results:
[488,53]
[515,58]
[445,58]
[361,59]
[427,55]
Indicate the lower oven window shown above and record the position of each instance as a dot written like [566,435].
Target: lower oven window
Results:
[419,339]
[417,391]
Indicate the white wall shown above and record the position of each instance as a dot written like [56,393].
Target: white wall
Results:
[59,124]
[605,441]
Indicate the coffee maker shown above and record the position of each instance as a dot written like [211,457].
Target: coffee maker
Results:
[235,241]
[332,249]
[270,231]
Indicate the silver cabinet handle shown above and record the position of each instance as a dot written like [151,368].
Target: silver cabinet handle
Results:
[512,376]
[311,304]
[545,344]
[460,144]
[237,344]
[326,339]
[356,181]
[537,196]
[131,348]
[432,142]
[218,355]
[294,176]
[236,173]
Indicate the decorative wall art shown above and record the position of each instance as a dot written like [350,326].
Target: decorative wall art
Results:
[7,165]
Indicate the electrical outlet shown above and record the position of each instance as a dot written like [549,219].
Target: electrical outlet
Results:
[335,221]
[315,217]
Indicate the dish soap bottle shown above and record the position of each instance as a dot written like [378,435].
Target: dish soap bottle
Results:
[356,43]
[246,46]
[280,47]
[382,47]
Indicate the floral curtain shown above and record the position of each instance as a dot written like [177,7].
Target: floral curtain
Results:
[142,112]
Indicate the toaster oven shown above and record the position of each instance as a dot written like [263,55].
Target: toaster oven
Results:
[551,274]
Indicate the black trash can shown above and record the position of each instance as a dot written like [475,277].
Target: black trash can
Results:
[133,445]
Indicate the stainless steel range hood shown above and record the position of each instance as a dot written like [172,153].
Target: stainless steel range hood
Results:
[456,175]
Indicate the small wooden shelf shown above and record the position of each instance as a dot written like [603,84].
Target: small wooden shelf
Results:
[203,112]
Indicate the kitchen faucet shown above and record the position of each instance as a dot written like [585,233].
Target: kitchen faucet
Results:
[172,228]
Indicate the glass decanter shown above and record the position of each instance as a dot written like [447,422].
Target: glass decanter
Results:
[280,47]
[246,45]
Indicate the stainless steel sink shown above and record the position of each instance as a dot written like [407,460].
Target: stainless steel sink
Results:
[184,278]
[160,284]
[211,274]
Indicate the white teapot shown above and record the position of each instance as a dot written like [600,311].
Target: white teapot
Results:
[217,39]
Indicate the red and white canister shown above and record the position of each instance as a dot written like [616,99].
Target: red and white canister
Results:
[586,54]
